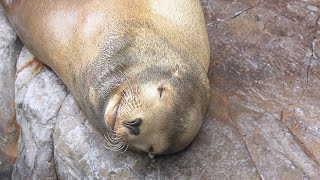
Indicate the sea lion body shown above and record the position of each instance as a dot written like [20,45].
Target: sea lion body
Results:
[136,67]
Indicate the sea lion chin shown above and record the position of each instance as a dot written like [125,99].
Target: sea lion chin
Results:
[138,69]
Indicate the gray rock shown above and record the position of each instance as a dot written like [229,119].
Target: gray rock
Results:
[265,74]
[9,130]
[39,96]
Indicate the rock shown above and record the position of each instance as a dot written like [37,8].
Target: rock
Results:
[265,80]
[39,96]
[9,131]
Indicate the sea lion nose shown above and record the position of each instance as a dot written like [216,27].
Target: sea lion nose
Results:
[133,126]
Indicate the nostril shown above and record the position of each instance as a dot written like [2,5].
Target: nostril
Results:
[133,126]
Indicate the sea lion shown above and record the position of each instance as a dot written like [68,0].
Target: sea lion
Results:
[137,68]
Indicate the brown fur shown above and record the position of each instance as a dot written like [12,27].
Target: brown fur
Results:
[100,48]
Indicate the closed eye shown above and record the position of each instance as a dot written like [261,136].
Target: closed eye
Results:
[160,89]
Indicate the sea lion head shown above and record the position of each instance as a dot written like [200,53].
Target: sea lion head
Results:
[160,110]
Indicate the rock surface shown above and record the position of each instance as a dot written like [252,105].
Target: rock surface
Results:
[265,81]
[39,95]
[9,131]
[263,121]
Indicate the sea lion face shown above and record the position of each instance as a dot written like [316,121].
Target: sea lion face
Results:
[160,114]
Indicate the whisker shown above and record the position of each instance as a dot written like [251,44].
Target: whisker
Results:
[110,139]
[114,144]
[111,144]
[126,148]
[115,150]
[121,145]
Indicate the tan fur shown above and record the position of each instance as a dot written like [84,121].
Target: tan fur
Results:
[67,35]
